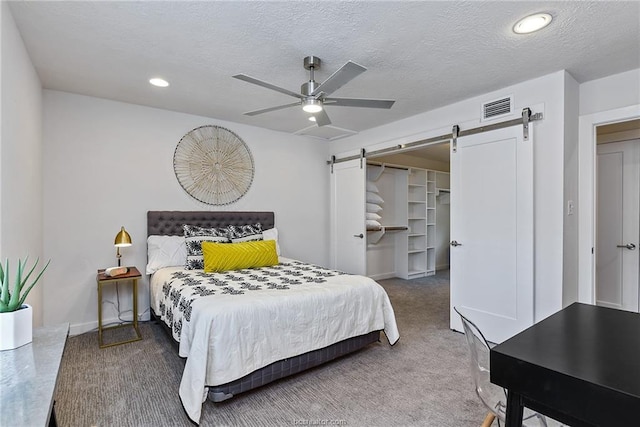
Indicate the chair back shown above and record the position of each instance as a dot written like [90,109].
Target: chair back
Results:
[493,396]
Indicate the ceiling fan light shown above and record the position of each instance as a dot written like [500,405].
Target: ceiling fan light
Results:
[312,106]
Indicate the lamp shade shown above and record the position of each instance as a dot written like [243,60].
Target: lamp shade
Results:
[122,239]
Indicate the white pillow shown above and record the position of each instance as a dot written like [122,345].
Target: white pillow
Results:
[373,225]
[272,234]
[374,198]
[372,187]
[374,216]
[165,251]
[373,208]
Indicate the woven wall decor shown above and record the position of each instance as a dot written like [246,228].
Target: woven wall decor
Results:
[213,165]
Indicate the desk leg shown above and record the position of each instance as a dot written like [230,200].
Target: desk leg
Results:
[53,422]
[514,410]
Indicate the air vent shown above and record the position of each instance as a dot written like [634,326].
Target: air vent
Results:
[498,108]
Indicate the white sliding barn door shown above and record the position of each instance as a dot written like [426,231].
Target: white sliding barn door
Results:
[492,221]
[618,225]
[348,233]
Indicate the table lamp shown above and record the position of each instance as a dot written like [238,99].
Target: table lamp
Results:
[122,241]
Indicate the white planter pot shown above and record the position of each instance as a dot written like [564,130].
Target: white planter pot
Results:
[16,328]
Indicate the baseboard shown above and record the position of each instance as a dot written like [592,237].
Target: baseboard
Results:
[382,276]
[82,328]
[609,305]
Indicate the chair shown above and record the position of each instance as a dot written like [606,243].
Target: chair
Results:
[494,397]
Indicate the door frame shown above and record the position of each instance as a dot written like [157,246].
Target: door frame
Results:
[587,193]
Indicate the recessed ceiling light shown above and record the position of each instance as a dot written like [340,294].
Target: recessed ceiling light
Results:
[156,81]
[532,23]
[312,119]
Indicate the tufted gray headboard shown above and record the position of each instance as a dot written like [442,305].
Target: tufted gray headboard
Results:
[169,223]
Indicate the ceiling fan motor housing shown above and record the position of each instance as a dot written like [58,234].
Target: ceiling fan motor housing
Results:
[307,88]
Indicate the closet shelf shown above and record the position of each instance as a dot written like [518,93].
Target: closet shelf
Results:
[418,201]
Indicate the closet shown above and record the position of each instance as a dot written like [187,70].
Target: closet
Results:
[407,214]
[386,197]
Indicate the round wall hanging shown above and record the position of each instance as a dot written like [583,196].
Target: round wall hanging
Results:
[213,165]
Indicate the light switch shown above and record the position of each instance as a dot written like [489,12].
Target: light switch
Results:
[570,207]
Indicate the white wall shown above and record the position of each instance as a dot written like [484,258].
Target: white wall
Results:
[608,100]
[570,245]
[20,157]
[108,163]
[544,93]
[609,93]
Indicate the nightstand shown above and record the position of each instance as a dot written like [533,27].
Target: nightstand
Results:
[131,276]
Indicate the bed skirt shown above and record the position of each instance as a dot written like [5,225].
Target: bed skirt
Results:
[283,368]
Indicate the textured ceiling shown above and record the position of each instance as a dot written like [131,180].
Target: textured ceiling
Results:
[422,54]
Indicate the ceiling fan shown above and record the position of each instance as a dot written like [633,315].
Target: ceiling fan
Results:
[314,97]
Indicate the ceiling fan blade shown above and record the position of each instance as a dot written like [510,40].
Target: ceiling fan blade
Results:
[266,110]
[357,102]
[344,75]
[321,118]
[255,81]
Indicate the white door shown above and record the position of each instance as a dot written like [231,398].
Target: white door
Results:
[618,225]
[492,221]
[348,233]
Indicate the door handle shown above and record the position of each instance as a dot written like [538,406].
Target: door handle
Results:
[454,243]
[359,235]
[629,246]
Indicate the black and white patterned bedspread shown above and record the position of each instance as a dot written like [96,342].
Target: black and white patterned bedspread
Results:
[181,288]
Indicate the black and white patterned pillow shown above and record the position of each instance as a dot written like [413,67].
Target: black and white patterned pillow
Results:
[245,233]
[194,236]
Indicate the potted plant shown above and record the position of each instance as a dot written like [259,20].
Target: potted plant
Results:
[16,317]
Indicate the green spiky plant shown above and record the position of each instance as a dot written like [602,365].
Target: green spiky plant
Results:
[12,301]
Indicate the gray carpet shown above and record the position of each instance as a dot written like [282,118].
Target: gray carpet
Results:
[423,380]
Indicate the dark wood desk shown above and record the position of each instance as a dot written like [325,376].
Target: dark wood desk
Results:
[580,366]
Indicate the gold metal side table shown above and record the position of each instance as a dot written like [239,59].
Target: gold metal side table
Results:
[132,275]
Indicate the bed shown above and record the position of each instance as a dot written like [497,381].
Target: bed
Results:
[244,328]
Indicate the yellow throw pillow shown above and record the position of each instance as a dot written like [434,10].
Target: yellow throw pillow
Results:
[236,256]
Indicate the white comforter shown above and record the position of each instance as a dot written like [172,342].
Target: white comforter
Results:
[252,318]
